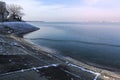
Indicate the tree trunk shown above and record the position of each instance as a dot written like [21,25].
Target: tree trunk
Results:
[2,17]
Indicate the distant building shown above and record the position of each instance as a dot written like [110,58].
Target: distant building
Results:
[3,11]
[11,17]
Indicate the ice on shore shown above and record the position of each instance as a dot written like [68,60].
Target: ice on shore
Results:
[89,71]
[18,28]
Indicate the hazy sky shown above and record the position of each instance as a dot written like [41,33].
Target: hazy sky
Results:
[70,10]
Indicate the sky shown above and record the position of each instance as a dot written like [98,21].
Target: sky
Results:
[69,10]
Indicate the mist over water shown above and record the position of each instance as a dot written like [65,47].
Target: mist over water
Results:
[93,42]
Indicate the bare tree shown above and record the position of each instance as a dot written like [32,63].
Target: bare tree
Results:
[15,11]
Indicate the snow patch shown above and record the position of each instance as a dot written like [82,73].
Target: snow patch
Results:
[34,68]
[17,27]
[106,77]
[83,69]
[22,70]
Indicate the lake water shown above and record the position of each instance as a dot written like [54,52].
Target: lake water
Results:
[93,42]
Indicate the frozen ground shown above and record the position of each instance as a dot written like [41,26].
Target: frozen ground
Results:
[18,28]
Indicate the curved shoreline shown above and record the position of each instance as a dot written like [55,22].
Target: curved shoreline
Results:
[76,67]
[110,67]
[67,60]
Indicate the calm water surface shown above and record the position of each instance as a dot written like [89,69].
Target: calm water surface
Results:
[93,42]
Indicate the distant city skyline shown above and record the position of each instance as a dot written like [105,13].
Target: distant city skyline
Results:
[69,10]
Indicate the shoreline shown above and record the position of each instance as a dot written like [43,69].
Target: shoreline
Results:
[78,69]
[73,65]
[113,69]
[94,68]
[100,66]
